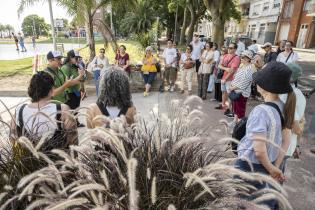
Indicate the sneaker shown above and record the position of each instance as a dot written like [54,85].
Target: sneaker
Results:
[219,107]
[189,92]
[227,111]
[182,91]
[168,88]
[172,89]
[230,115]
[312,151]
[145,93]
[212,99]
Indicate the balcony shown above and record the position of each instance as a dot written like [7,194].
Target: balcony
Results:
[244,2]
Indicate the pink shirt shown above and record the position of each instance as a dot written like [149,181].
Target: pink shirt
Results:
[227,62]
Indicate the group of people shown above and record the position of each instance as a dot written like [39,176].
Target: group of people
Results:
[19,40]
[272,128]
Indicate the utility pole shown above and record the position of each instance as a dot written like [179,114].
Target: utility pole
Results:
[52,25]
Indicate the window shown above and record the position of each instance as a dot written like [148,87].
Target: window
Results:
[262,28]
[288,10]
[276,4]
[266,6]
[307,5]
[256,10]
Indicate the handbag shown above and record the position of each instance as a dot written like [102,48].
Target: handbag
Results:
[233,96]
[221,72]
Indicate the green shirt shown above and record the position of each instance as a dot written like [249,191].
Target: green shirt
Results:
[59,80]
[71,71]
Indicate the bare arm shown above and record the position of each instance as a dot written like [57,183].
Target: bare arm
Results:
[259,145]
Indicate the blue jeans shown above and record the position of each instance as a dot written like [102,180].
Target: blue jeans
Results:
[96,77]
[258,168]
[148,78]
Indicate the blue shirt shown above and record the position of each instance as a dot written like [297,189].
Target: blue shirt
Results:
[260,123]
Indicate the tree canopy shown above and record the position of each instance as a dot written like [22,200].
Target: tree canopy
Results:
[31,21]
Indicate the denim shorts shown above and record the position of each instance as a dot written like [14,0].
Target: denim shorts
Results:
[226,86]
[149,78]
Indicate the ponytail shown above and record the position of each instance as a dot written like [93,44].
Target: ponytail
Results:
[289,110]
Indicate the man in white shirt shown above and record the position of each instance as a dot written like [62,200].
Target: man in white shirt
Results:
[197,50]
[98,66]
[240,47]
[253,47]
[169,56]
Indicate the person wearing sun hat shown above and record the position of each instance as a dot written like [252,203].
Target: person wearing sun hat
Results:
[298,123]
[270,55]
[259,149]
[61,83]
[241,87]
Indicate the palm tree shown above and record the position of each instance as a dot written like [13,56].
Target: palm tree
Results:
[85,12]
[1,30]
[9,29]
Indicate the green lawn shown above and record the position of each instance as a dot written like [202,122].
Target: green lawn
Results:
[12,67]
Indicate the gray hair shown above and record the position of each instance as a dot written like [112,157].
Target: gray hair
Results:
[114,88]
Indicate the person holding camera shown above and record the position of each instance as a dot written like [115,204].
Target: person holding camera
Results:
[187,64]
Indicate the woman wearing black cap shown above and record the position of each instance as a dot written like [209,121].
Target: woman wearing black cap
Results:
[71,69]
[265,128]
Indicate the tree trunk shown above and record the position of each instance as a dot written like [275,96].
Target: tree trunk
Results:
[216,8]
[192,23]
[184,27]
[90,35]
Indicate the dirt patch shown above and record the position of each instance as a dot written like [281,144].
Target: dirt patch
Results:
[15,83]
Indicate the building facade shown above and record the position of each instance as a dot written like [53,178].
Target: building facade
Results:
[297,23]
[263,18]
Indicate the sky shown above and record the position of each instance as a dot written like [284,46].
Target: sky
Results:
[8,12]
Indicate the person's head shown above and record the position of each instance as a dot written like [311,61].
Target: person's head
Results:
[246,57]
[102,52]
[12,33]
[282,44]
[72,57]
[224,50]
[170,43]
[267,47]
[189,48]
[254,41]
[122,49]
[288,46]
[274,79]
[41,86]
[196,37]
[114,88]
[148,50]
[54,59]
[296,72]
[232,48]
[174,44]
[208,46]
[215,46]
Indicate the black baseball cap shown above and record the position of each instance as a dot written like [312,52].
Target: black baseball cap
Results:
[73,54]
[54,54]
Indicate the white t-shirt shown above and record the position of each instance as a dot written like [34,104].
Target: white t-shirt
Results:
[113,111]
[183,58]
[240,48]
[38,121]
[197,48]
[170,55]
[216,57]
[97,60]
[292,59]
[298,114]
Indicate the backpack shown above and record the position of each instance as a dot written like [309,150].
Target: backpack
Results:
[239,130]
[59,139]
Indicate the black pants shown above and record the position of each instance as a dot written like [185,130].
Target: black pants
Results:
[217,91]
[73,101]
[203,82]
[197,65]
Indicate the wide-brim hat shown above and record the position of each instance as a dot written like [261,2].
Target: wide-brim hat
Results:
[274,78]
[248,54]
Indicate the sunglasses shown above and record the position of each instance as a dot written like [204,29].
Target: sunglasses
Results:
[102,52]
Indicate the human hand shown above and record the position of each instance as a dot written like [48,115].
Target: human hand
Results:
[101,66]
[277,174]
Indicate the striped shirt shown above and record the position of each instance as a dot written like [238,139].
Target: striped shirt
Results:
[243,80]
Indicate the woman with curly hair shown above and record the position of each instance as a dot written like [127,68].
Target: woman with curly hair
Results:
[114,99]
